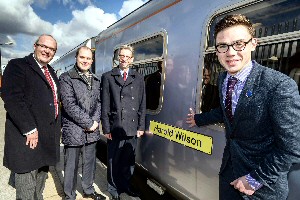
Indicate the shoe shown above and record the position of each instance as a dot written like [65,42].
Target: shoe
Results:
[115,198]
[94,196]
[133,192]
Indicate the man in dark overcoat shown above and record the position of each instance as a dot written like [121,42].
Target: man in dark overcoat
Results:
[32,130]
[260,108]
[123,110]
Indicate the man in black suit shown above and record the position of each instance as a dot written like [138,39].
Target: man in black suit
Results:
[32,130]
[123,104]
[260,108]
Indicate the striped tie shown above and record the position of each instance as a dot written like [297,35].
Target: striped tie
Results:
[228,99]
[48,77]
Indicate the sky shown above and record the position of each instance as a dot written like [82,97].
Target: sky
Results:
[70,22]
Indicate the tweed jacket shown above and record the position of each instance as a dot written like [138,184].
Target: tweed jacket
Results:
[80,108]
[264,137]
[123,103]
[28,100]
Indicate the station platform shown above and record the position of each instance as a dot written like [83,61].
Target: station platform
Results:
[54,187]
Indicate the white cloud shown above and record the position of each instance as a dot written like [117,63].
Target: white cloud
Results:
[17,16]
[130,5]
[42,3]
[84,24]
[19,22]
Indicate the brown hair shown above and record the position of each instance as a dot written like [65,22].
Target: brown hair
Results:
[234,20]
[82,47]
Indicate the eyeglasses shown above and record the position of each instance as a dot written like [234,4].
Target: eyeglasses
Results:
[123,56]
[238,46]
[46,47]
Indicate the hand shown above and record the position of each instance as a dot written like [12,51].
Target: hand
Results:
[108,136]
[32,139]
[94,127]
[242,185]
[140,133]
[190,119]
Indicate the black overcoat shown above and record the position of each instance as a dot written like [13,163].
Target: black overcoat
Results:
[123,103]
[80,108]
[28,100]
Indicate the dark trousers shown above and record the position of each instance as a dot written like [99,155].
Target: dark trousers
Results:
[72,153]
[121,162]
[227,191]
[30,186]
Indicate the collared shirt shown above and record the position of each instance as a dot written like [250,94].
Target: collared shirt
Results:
[55,89]
[122,72]
[242,77]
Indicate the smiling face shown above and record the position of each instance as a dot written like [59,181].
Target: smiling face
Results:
[234,61]
[44,49]
[125,58]
[84,59]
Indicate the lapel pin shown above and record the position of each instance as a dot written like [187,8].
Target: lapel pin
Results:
[249,93]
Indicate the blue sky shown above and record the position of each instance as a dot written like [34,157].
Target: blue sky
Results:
[69,21]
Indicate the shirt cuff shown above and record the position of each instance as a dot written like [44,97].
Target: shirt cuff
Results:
[30,132]
[255,185]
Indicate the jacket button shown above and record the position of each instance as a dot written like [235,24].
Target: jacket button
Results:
[132,97]
[133,109]
[122,97]
[133,120]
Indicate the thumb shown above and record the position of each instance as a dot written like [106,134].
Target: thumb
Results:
[192,111]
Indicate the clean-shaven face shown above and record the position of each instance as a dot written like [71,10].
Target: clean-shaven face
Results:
[125,58]
[234,61]
[45,49]
[84,59]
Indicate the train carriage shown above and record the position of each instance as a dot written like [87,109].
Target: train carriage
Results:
[174,45]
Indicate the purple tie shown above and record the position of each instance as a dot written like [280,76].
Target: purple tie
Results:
[228,99]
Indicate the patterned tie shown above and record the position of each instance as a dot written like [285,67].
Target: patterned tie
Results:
[124,76]
[48,77]
[228,99]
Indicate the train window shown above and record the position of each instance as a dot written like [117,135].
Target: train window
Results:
[148,61]
[277,28]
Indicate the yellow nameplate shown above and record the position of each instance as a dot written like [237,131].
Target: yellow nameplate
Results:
[191,139]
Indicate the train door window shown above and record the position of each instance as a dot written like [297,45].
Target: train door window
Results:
[148,60]
[277,28]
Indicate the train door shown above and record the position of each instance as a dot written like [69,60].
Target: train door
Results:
[277,28]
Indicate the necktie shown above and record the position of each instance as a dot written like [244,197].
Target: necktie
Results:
[228,99]
[124,76]
[48,77]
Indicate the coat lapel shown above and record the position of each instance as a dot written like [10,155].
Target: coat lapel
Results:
[33,64]
[248,93]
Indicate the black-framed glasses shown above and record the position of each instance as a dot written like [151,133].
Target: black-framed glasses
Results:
[238,46]
[46,47]
[123,56]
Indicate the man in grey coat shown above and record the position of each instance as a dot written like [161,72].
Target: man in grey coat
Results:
[80,123]
[123,120]
[260,108]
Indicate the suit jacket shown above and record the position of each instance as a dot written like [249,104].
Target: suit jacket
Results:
[264,138]
[123,104]
[28,100]
[81,107]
